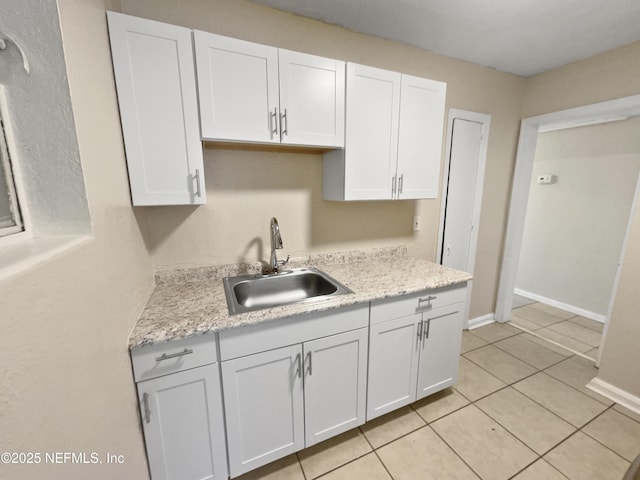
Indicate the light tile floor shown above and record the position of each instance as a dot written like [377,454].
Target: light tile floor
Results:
[573,331]
[519,410]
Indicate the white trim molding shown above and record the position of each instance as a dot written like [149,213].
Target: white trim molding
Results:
[615,394]
[598,317]
[480,321]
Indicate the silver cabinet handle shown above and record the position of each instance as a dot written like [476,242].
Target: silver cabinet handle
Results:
[284,123]
[273,121]
[426,330]
[400,183]
[299,362]
[165,356]
[310,363]
[420,330]
[147,412]
[197,177]
[393,186]
[428,300]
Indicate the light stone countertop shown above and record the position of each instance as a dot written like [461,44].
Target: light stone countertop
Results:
[192,301]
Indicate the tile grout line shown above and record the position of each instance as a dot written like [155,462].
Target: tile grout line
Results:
[531,399]
[625,414]
[304,475]
[581,429]
[537,335]
[453,450]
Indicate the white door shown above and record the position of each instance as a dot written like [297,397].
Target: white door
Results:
[420,137]
[393,364]
[183,425]
[440,349]
[154,71]
[264,407]
[334,384]
[461,194]
[311,99]
[238,89]
[373,106]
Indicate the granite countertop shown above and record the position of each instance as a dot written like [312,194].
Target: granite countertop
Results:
[191,301]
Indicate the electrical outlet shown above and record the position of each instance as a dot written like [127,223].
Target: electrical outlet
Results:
[416,223]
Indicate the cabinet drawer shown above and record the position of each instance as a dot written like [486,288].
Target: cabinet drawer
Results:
[416,303]
[238,342]
[171,357]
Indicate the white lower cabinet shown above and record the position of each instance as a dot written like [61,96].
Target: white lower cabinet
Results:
[183,425]
[264,407]
[335,385]
[393,364]
[416,353]
[283,400]
[291,383]
[440,349]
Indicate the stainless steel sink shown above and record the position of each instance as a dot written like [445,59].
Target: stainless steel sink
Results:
[247,293]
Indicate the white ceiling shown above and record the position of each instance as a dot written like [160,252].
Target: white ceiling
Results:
[523,37]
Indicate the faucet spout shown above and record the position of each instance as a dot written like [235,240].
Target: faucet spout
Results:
[276,244]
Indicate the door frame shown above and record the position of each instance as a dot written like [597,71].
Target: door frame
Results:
[618,109]
[485,120]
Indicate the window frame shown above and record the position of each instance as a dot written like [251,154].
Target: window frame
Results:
[14,204]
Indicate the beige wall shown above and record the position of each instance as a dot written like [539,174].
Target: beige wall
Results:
[621,353]
[574,228]
[603,77]
[245,187]
[65,374]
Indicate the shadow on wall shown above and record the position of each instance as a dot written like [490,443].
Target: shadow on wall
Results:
[328,222]
[246,186]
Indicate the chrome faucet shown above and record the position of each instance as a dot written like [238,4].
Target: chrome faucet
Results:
[276,244]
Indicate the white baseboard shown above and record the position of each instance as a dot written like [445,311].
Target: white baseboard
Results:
[480,321]
[615,394]
[562,306]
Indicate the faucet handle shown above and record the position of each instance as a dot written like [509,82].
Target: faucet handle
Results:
[282,263]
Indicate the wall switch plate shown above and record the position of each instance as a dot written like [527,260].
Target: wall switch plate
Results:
[416,223]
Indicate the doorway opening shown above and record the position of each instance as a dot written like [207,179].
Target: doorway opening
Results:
[614,110]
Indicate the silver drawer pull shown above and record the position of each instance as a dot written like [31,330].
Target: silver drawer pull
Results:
[428,300]
[164,356]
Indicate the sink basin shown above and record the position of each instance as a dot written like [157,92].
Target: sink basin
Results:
[247,293]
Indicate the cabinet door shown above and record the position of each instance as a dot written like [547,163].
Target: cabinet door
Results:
[183,425]
[373,103]
[393,364]
[311,99]
[155,78]
[334,384]
[238,89]
[264,407]
[440,349]
[420,137]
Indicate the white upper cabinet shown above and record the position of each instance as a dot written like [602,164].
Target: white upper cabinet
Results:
[420,137]
[394,125]
[155,78]
[311,99]
[364,170]
[256,93]
[238,86]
